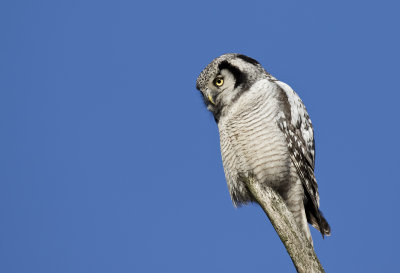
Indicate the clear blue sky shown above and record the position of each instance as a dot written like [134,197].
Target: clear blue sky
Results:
[111,163]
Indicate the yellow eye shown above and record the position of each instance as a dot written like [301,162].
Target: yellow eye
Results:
[218,82]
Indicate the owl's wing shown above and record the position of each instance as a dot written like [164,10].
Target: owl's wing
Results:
[301,122]
[297,128]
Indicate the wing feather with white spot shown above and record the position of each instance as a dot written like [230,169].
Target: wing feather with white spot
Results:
[301,121]
[297,128]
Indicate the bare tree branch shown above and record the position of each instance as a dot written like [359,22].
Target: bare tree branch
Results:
[299,248]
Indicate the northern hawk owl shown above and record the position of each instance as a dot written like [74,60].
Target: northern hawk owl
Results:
[264,131]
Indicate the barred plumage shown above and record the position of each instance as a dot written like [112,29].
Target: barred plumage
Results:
[265,131]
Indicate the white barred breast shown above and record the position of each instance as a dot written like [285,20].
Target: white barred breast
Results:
[251,141]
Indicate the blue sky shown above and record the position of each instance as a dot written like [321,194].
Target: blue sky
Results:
[111,163]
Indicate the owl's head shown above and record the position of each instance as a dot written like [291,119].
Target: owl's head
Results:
[227,77]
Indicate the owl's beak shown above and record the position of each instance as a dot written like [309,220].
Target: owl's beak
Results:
[210,97]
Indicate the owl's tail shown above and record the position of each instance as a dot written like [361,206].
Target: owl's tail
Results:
[321,225]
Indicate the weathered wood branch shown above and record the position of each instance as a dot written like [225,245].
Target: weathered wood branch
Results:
[299,248]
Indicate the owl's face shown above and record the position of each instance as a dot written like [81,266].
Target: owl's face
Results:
[225,79]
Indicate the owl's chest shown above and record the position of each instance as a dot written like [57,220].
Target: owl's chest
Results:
[252,142]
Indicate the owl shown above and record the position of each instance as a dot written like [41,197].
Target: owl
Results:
[265,132]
